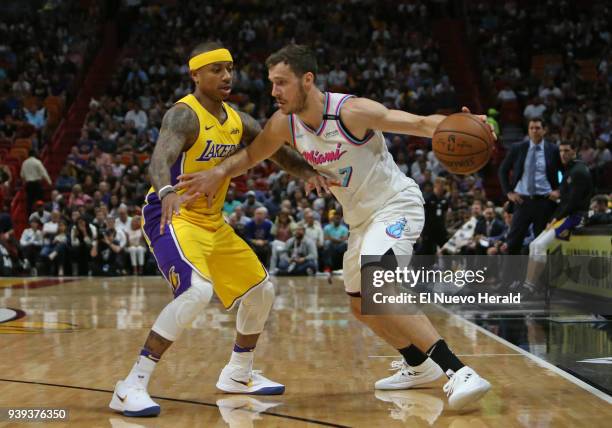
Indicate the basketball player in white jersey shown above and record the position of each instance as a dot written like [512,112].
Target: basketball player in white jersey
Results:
[341,137]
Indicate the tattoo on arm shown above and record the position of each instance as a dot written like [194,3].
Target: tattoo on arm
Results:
[292,162]
[179,130]
[250,128]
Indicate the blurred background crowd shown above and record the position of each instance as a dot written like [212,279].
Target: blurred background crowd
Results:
[86,218]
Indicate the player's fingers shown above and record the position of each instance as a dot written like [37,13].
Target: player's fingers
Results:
[186,177]
[162,225]
[331,183]
[464,109]
[319,186]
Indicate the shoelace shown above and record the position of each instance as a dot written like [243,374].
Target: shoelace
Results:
[402,367]
[449,386]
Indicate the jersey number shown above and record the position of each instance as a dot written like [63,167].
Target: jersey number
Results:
[346,172]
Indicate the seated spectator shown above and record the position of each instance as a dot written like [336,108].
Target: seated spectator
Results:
[65,182]
[59,249]
[49,230]
[31,243]
[123,222]
[137,116]
[250,204]
[106,253]
[77,197]
[488,228]
[313,228]
[258,234]
[9,247]
[282,230]
[230,203]
[239,215]
[83,237]
[336,236]
[300,255]
[40,213]
[136,246]
[498,244]
[463,236]
[601,213]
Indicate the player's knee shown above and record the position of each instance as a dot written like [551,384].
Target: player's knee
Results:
[193,300]
[254,309]
[180,313]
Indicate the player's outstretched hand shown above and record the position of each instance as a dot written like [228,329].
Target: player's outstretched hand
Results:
[170,207]
[482,117]
[205,183]
[320,183]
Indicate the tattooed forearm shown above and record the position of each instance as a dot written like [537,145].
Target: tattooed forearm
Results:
[292,162]
[179,130]
[250,128]
[287,158]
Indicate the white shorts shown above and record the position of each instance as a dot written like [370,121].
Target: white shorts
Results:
[396,226]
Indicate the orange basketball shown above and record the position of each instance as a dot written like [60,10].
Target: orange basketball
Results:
[462,143]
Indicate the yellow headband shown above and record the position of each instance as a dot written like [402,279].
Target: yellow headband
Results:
[218,55]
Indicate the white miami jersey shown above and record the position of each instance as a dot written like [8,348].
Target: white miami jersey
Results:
[368,174]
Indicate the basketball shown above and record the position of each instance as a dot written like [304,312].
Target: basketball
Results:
[462,143]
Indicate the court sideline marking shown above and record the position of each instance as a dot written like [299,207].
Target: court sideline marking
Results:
[539,361]
[178,400]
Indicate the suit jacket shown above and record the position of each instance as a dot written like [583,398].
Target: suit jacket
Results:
[515,162]
[497,227]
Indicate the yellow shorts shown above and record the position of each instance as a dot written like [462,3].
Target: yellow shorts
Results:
[220,256]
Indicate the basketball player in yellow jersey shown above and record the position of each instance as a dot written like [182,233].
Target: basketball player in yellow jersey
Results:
[196,251]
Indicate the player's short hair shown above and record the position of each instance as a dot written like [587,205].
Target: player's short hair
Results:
[300,58]
[205,47]
[600,199]
[538,119]
[573,144]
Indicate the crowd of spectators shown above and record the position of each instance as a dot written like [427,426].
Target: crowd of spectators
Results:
[551,60]
[91,223]
[42,56]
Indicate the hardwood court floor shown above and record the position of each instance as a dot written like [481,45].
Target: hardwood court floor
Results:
[78,338]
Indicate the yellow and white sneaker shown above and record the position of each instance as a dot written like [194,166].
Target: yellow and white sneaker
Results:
[407,377]
[238,380]
[133,400]
[464,387]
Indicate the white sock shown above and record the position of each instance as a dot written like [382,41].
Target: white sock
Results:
[141,372]
[243,360]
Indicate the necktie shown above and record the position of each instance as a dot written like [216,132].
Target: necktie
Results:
[531,185]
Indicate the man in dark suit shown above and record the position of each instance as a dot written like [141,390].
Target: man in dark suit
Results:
[488,229]
[533,188]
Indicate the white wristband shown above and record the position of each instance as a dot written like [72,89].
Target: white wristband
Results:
[164,191]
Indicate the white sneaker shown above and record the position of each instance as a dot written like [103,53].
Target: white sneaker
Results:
[239,411]
[132,400]
[237,380]
[412,404]
[465,386]
[408,377]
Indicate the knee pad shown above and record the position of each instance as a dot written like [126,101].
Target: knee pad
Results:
[254,309]
[180,313]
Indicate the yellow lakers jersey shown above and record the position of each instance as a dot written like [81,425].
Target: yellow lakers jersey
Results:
[215,142]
